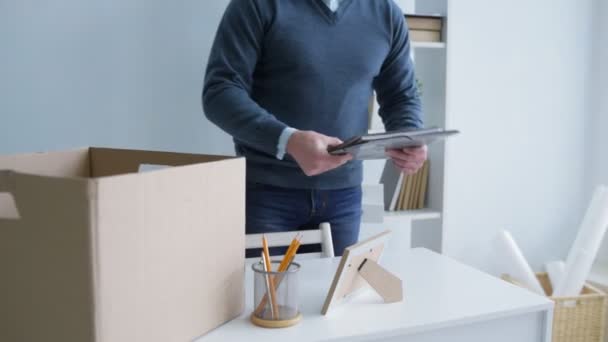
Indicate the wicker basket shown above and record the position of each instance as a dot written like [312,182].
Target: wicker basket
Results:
[575,319]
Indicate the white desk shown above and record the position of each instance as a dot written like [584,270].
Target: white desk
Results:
[444,301]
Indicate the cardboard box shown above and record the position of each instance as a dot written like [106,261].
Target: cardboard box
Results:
[92,250]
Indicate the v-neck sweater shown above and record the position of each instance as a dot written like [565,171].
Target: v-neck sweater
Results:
[296,63]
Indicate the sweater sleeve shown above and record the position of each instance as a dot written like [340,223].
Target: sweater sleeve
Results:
[395,86]
[228,82]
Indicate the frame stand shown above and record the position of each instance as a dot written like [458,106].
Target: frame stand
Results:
[386,284]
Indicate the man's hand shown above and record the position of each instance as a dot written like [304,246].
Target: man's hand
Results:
[309,149]
[410,159]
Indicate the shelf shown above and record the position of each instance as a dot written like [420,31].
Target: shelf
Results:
[428,45]
[419,214]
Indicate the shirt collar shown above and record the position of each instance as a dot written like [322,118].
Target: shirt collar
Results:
[332,4]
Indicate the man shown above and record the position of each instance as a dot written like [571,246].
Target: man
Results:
[289,78]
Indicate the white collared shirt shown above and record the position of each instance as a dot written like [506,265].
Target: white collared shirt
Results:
[332,4]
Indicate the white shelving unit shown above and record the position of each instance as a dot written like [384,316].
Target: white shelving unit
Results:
[420,228]
[420,214]
[428,45]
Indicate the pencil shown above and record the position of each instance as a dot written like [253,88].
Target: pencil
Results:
[267,282]
[266,252]
[291,251]
[268,263]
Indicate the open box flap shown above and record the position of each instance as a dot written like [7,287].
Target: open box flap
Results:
[110,162]
[73,163]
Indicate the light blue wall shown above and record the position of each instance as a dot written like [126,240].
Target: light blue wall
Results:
[120,73]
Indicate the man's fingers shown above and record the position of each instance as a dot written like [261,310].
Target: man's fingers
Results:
[335,161]
[309,149]
[333,141]
[409,159]
[414,154]
[407,165]
[414,149]
[409,172]
[327,164]
[399,155]
[407,169]
[345,158]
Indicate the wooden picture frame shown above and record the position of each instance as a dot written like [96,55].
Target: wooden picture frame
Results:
[359,268]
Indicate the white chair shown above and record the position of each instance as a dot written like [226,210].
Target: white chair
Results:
[283,239]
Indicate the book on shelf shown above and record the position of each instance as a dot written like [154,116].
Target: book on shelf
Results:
[404,192]
[392,180]
[424,27]
[425,36]
[400,193]
[424,185]
[428,22]
[413,192]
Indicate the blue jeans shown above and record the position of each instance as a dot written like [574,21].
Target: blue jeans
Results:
[274,209]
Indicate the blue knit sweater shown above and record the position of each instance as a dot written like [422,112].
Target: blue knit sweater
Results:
[295,63]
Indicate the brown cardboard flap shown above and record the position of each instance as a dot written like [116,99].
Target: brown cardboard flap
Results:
[45,261]
[111,162]
[73,163]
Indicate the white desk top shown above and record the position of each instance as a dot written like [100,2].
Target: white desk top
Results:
[439,292]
